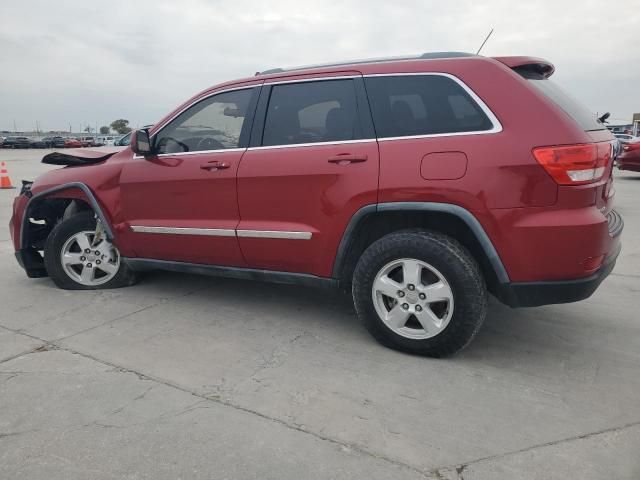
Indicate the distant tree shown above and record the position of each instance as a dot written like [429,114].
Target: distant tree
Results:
[121,126]
[88,129]
[104,130]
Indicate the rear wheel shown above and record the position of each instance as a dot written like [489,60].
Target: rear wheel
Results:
[78,256]
[420,292]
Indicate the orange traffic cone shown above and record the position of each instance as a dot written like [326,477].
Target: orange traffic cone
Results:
[5,181]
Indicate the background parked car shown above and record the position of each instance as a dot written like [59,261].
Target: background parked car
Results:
[624,137]
[125,140]
[57,142]
[629,157]
[88,141]
[108,140]
[16,142]
[71,142]
[40,142]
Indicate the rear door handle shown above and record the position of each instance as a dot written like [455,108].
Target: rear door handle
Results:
[214,165]
[346,158]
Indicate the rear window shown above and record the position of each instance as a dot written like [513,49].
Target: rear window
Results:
[583,117]
[423,105]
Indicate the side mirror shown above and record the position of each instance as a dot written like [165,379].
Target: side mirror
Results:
[140,143]
[603,118]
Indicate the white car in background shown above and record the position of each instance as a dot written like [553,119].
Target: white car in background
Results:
[107,140]
[624,137]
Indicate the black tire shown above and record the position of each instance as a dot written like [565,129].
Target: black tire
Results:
[55,241]
[453,261]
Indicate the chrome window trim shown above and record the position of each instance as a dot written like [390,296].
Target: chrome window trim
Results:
[316,79]
[497,126]
[181,154]
[223,232]
[274,234]
[212,232]
[436,135]
[313,144]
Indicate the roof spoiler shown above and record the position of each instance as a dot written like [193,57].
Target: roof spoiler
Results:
[534,64]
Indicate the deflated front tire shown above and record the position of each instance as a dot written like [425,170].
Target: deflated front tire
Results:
[77,257]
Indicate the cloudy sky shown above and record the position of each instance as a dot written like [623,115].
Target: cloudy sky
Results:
[78,62]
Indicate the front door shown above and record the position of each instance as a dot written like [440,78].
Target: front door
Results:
[181,203]
[315,165]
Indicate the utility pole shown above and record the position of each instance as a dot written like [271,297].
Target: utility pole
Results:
[15,129]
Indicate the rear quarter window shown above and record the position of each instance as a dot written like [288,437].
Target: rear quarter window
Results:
[580,114]
[414,105]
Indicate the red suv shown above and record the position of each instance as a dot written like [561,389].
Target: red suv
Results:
[419,184]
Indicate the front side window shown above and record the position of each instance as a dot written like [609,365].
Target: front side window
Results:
[423,105]
[311,112]
[212,124]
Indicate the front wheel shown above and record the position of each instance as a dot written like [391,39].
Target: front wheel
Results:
[78,257]
[420,292]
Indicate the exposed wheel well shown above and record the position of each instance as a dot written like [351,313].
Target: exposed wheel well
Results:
[46,213]
[378,224]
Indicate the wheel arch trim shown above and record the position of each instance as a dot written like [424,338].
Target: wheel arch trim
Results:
[66,186]
[462,213]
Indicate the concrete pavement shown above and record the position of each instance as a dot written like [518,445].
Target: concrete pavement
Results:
[188,377]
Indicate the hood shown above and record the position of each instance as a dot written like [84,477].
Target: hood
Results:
[81,156]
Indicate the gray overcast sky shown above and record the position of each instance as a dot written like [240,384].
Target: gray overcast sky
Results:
[86,61]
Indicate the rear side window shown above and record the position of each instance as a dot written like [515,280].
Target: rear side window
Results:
[572,107]
[423,105]
[310,112]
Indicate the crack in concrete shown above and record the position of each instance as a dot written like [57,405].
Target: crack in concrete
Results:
[25,352]
[128,404]
[426,474]
[15,434]
[354,447]
[162,301]
[625,275]
[275,358]
[461,467]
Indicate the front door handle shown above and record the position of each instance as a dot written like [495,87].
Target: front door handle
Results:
[346,158]
[214,165]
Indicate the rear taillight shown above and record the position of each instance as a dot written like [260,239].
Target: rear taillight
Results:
[575,164]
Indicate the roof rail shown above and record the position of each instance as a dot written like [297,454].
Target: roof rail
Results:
[424,56]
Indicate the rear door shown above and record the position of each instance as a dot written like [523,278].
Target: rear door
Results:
[428,126]
[312,164]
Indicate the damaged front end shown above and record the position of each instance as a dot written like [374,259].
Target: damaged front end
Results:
[80,156]
[31,231]
[54,197]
